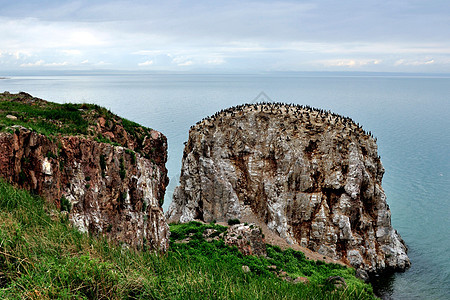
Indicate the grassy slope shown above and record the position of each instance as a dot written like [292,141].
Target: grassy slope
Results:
[51,118]
[44,258]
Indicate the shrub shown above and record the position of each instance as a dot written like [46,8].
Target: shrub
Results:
[65,204]
[122,198]
[132,155]
[122,171]
[50,154]
[233,221]
[22,177]
[102,164]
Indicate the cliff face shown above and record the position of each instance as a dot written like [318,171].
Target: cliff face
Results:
[313,177]
[113,190]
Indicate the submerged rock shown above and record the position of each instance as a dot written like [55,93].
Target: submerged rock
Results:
[312,176]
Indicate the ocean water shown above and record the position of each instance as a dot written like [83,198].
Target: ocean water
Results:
[410,116]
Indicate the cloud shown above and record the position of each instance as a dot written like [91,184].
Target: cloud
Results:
[57,64]
[35,64]
[148,52]
[404,62]
[41,63]
[85,38]
[186,63]
[146,63]
[20,54]
[236,34]
[181,61]
[350,63]
[215,61]
[71,52]
[103,63]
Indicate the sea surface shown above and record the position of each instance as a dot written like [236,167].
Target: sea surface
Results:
[409,115]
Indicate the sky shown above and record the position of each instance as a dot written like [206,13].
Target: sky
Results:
[226,36]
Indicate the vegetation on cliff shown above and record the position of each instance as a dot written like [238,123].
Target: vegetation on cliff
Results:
[110,172]
[43,257]
[50,119]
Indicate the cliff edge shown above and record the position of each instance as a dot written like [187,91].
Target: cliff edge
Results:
[108,173]
[313,177]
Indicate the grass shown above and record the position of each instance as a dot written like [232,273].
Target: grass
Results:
[53,119]
[48,119]
[43,257]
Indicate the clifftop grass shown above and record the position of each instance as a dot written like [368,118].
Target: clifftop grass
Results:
[43,257]
[50,119]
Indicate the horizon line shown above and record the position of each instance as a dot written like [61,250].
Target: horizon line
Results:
[11,73]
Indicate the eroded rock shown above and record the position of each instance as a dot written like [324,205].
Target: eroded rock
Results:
[312,176]
[109,190]
[248,239]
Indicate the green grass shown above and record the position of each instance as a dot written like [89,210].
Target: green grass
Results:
[45,258]
[52,119]
[48,119]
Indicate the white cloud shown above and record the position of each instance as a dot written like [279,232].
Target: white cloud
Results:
[71,52]
[41,63]
[148,52]
[405,62]
[350,63]
[186,63]
[215,61]
[181,61]
[35,64]
[225,35]
[145,63]
[84,38]
[19,54]
[57,64]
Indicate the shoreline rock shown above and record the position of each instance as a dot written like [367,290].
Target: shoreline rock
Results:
[108,190]
[313,177]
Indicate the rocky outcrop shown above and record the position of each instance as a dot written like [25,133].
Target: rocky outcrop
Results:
[109,189]
[312,176]
[248,238]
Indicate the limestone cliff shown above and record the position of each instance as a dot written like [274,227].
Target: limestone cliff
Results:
[112,188]
[312,176]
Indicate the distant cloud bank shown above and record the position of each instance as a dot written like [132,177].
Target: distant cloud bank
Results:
[381,36]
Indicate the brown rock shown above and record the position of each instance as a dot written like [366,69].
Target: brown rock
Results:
[337,281]
[112,191]
[125,209]
[313,177]
[303,280]
[247,238]
[211,235]
[109,135]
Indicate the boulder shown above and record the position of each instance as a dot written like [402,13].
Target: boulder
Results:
[248,239]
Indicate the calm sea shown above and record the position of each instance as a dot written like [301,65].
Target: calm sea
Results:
[410,116]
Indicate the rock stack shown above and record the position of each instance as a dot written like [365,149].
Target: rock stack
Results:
[312,176]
